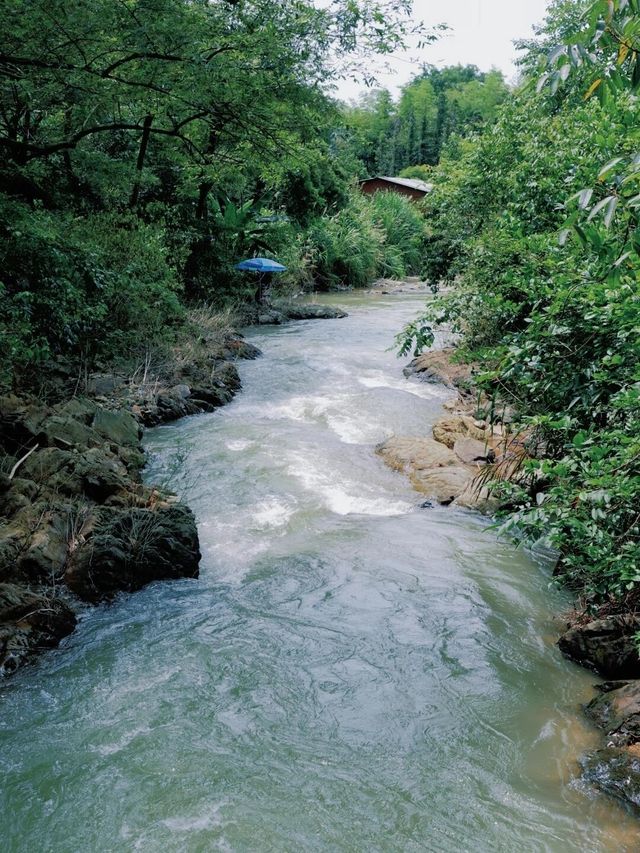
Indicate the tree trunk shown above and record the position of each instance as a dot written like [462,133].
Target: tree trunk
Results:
[142,153]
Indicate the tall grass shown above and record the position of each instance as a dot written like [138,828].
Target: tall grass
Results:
[371,237]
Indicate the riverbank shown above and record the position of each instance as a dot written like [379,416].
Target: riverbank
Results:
[470,449]
[77,525]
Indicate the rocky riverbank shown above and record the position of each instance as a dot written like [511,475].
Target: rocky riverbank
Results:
[77,525]
[467,450]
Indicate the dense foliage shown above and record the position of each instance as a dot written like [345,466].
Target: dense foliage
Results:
[148,145]
[536,223]
[386,137]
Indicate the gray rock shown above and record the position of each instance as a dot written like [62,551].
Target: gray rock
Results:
[29,622]
[310,311]
[121,428]
[125,549]
[607,646]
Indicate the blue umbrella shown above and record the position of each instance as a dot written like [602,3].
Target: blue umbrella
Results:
[260,265]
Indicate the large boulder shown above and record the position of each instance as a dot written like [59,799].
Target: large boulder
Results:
[442,484]
[30,621]
[433,469]
[311,311]
[123,549]
[470,451]
[411,453]
[608,646]
[119,428]
[617,711]
[97,473]
[616,771]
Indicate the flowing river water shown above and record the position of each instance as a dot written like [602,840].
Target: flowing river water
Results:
[351,672]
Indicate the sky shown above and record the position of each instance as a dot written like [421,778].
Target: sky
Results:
[482,34]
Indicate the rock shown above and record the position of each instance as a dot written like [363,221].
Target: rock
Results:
[239,348]
[20,422]
[607,646]
[97,472]
[433,469]
[312,311]
[103,384]
[616,771]
[443,484]
[44,557]
[617,711]
[66,432]
[450,429]
[124,549]
[227,378]
[180,392]
[13,540]
[119,428]
[478,497]
[473,452]
[29,622]
[437,366]
[270,317]
[411,454]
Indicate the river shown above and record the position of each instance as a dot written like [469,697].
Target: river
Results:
[351,672]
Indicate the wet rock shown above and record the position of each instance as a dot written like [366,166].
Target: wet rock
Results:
[607,646]
[13,540]
[29,622]
[617,711]
[478,497]
[616,771]
[438,366]
[125,549]
[18,494]
[310,311]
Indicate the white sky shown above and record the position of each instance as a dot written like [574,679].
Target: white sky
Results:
[482,34]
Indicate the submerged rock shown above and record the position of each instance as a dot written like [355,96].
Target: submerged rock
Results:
[616,771]
[607,646]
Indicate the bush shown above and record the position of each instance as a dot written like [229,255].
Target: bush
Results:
[87,287]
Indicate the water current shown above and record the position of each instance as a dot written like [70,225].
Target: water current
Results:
[351,672]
